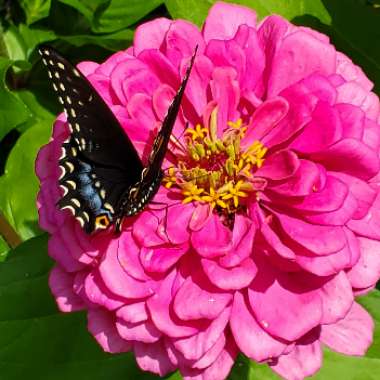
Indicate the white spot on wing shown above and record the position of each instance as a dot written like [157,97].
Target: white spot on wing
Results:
[75,202]
[61,65]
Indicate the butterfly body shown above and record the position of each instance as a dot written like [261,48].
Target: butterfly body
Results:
[102,177]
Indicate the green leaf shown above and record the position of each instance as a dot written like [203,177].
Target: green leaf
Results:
[12,111]
[19,184]
[109,16]
[112,41]
[39,342]
[4,248]
[196,11]
[35,9]
[353,25]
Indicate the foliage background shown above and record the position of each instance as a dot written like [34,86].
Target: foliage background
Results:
[37,342]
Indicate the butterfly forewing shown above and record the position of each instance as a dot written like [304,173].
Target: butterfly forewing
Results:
[102,176]
[99,162]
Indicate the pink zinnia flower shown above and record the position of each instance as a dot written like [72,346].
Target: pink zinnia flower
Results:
[272,216]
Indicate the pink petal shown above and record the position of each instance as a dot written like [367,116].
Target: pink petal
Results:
[159,306]
[279,166]
[234,278]
[366,272]
[61,285]
[299,55]
[369,225]
[177,222]
[144,332]
[218,370]
[97,293]
[270,291]
[227,54]
[305,360]
[225,91]
[153,357]
[242,237]
[224,19]
[197,299]
[145,230]
[324,129]
[160,259]
[307,177]
[58,252]
[337,298]
[212,354]
[213,240]
[354,93]
[102,326]
[364,162]
[252,340]
[362,192]
[151,34]
[330,238]
[351,335]
[134,312]
[265,118]
[247,38]
[129,257]
[352,119]
[196,89]
[118,281]
[181,40]
[197,345]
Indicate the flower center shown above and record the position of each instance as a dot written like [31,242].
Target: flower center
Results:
[216,170]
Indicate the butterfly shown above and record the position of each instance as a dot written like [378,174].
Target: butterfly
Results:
[102,176]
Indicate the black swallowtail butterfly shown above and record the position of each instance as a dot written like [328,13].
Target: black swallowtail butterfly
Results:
[102,177]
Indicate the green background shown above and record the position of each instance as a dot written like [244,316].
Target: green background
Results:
[37,342]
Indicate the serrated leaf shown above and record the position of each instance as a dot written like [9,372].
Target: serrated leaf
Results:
[35,9]
[19,184]
[12,111]
[39,342]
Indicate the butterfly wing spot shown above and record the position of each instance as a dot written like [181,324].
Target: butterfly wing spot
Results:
[80,103]
[109,207]
[63,172]
[70,166]
[56,74]
[62,87]
[51,63]
[77,127]
[70,208]
[97,184]
[50,74]
[72,184]
[76,72]
[65,189]
[68,99]
[90,98]
[63,153]
[74,151]
[80,220]
[61,100]
[73,113]
[102,193]
[46,52]
[61,65]
[102,221]
[86,216]
[75,202]
[55,87]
